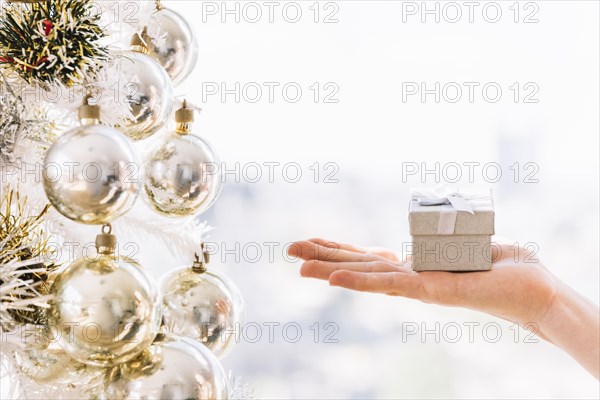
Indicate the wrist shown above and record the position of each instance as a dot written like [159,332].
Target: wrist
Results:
[572,323]
[554,313]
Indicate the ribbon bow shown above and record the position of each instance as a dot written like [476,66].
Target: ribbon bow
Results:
[456,200]
[450,201]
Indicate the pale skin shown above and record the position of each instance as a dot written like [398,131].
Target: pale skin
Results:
[518,288]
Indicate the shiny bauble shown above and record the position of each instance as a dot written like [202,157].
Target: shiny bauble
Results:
[206,307]
[91,174]
[175,48]
[52,367]
[42,365]
[105,310]
[172,368]
[146,88]
[182,176]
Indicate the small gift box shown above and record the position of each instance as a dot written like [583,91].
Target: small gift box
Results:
[451,230]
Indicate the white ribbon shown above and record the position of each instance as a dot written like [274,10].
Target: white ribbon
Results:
[457,201]
[450,204]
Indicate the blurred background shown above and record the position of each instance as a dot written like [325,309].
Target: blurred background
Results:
[326,113]
[357,146]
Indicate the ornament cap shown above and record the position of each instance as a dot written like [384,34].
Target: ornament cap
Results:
[184,114]
[200,265]
[106,242]
[139,42]
[89,114]
[184,117]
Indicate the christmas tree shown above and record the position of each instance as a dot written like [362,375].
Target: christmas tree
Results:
[99,153]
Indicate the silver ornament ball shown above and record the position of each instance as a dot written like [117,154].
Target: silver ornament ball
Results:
[206,307]
[146,88]
[172,368]
[105,310]
[43,365]
[175,46]
[55,371]
[91,174]
[182,176]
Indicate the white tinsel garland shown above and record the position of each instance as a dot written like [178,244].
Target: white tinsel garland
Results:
[22,124]
[18,293]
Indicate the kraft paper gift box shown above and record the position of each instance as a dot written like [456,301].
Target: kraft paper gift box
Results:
[451,230]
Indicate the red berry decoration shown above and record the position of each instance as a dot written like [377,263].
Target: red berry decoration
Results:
[48,25]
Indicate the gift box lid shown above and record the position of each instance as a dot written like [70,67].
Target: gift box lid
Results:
[428,216]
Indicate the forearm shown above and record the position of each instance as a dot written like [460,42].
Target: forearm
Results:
[573,324]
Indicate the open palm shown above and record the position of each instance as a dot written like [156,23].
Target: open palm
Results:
[518,287]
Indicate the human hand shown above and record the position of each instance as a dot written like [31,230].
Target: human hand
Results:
[518,287]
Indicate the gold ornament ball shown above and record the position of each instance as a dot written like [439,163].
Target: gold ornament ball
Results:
[43,365]
[172,368]
[91,174]
[146,88]
[176,48]
[105,310]
[53,368]
[206,307]
[182,176]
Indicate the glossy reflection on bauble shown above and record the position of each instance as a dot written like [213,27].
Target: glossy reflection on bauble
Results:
[175,46]
[105,310]
[183,172]
[172,368]
[146,88]
[204,306]
[92,174]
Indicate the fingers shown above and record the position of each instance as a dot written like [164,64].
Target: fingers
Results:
[327,250]
[323,269]
[311,251]
[385,253]
[335,245]
[392,283]
[380,251]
